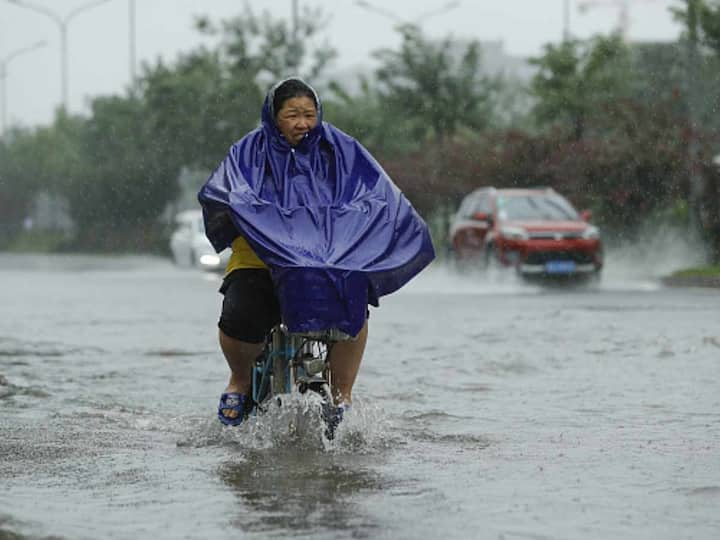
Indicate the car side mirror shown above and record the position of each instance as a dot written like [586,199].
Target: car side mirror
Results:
[586,215]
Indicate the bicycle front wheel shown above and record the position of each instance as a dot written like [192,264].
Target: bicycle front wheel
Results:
[281,364]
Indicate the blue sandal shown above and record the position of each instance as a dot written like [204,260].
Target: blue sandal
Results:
[333,415]
[234,402]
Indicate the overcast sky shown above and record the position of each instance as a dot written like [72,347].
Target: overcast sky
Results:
[99,45]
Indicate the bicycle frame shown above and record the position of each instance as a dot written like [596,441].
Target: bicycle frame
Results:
[294,363]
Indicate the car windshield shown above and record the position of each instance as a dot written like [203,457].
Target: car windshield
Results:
[531,208]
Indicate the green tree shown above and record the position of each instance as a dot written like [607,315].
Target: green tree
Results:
[367,117]
[710,24]
[701,21]
[121,186]
[706,15]
[576,77]
[263,48]
[438,86]
[196,109]
[17,184]
[34,161]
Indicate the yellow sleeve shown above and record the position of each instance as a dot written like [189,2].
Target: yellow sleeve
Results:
[243,256]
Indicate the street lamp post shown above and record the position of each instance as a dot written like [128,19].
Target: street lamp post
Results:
[295,36]
[62,23]
[132,40]
[566,20]
[4,62]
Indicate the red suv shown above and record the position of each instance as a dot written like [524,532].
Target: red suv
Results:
[536,231]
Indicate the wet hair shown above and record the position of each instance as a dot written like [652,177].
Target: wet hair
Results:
[288,89]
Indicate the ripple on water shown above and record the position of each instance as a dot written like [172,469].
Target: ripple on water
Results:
[511,367]
[11,348]
[19,352]
[177,353]
[301,491]
[9,390]
[429,416]
[9,526]
[465,387]
[457,440]
[704,491]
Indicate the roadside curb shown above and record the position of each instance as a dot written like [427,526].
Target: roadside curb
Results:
[692,281]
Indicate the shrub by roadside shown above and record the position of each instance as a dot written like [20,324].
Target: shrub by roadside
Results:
[706,276]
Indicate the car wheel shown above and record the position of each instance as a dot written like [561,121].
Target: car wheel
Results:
[590,280]
[459,263]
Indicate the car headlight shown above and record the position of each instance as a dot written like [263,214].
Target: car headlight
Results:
[514,233]
[591,232]
[209,260]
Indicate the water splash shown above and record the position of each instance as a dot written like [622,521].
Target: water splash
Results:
[657,252]
[296,423]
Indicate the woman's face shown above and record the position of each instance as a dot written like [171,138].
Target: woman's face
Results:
[296,117]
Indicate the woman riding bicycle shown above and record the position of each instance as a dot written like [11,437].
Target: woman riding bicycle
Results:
[318,231]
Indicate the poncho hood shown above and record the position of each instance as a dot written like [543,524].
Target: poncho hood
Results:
[324,216]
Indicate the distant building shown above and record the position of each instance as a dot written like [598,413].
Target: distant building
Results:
[497,62]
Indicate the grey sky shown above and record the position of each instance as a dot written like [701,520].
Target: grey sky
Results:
[99,50]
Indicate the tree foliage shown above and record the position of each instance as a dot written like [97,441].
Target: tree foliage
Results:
[35,161]
[576,78]
[383,129]
[701,17]
[196,108]
[710,23]
[257,46]
[439,85]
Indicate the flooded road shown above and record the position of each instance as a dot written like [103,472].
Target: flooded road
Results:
[485,409]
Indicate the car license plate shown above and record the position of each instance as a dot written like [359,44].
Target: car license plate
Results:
[560,267]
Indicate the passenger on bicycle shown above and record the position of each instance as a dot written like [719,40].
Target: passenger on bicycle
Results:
[318,231]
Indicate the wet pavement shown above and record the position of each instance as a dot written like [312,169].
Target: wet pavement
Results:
[485,408]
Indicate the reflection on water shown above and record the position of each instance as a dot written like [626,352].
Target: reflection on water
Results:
[292,490]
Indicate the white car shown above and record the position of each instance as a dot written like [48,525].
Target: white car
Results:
[191,248]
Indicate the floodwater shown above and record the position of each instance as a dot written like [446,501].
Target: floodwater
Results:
[484,409]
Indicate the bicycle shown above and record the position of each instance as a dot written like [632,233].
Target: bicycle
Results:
[296,362]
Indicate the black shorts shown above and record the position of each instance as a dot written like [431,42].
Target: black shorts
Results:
[250,308]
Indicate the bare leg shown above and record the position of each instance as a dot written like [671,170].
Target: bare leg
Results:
[240,357]
[345,359]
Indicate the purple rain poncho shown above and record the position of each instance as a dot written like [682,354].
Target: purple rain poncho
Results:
[324,216]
